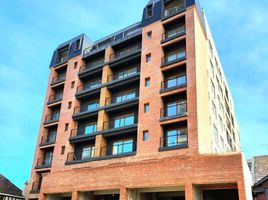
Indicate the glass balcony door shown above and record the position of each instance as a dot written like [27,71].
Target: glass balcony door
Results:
[124,121]
[123,146]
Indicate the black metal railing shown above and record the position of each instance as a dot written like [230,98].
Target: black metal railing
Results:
[178,140]
[83,88]
[123,74]
[123,97]
[91,65]
[174,10]
[174,33]
[176,57]
[36,186]
[120,123]
[126,52]
[179,81]
[76,132]
[119,149]
[58,79]
[44,162]
[54,98]
[73,156]
[179,109]
[61,59]
[52,118]
[83,109]
[48,140]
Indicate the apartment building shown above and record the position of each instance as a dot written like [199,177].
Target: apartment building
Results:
[144,113]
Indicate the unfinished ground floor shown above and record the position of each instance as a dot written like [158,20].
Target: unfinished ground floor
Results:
[176,178]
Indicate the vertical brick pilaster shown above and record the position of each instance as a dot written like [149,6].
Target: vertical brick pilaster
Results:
[189,191]
[75,195]
[123,193]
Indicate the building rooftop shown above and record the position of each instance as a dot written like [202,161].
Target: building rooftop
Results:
[7,187]
[259,167]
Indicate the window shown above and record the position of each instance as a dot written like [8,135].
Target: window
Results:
[77,44]
[92,84]
[215,135]
[75,65]
[66,127]
[146,107]
[62,150]
[90,128]
[147,82]
[92,106]
[175,108]
[88,152]
[124,121]
[176,81]
[149,11]
[221,123]
[266,193]
[69,105]
[213,89]
[175,55]
[149,34]
[48,158]
[145,135]
[175,137]
[72,84]
[214,110]
[51,137]
[125,96]
[126,73]
[122,146]
[62,54]
[211,68]
[148,58]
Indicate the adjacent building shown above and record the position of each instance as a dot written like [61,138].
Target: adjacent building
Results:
[259,170]
[144,113]
[9,191]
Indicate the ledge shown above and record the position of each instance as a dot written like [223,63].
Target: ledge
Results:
[173,148]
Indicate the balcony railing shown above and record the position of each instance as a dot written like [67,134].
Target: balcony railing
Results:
[123,74]
[44,162]
[121,98]
[88,87]
[173,33]
[54,98]
[52,118]
[86,109]
[36,186]
[76,132]
[58,79]
[168,12]
[179,140]
[114,150]
[179,109]
[124,53]
[48,140]
[175,82]
[120,123]
[91,65]
[174,57]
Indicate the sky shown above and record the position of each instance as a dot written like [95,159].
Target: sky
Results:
[31,30]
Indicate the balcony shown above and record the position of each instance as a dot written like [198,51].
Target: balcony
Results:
[173,111]
[93,154]
[84,112]
[170,11]
[174,57]
[88,89]
[54,99]
[47,140]
[176,141]
[120,126]
[173,33]
[81,136]
[126,55]
[43,163]
[36,186]
[58,79]
[124,78]
[173,83]
[91,68]
[53,118]
[122,101]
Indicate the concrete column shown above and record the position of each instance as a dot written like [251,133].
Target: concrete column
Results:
[75,195]
[105,93]
[189,191]
[108,52]
[106,72]
[123,193]
[100,146]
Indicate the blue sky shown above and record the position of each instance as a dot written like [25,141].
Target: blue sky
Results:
[31,30]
